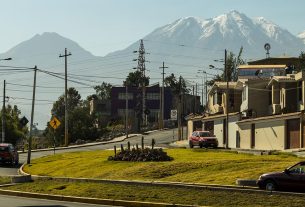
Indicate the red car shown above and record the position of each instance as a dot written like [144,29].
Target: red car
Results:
[8,154]
[202,139]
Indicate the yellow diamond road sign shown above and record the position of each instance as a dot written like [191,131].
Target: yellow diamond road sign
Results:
[54,122]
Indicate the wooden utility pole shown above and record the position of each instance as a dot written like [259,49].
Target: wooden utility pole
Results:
[3,113]
[162,99]
[179,111]
[227,101]
[126,109]
[32,118]
[66,97]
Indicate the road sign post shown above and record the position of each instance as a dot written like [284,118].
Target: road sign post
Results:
[54,123]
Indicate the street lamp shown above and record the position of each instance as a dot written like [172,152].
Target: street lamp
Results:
[227,93]
[3,107]
[205,85]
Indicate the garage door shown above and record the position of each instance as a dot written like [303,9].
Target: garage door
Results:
[293,133]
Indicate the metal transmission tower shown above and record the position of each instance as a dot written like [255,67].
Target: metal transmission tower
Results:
[141,67]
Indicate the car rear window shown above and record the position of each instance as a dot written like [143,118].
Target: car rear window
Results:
[4,149]
[204,134]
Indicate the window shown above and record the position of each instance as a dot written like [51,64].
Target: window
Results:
[244,94]
[122,112]
[300,89]
[270,97]
[121,96]
[231,99]
[205,134]
[152,96]
[217,98]
[252,135]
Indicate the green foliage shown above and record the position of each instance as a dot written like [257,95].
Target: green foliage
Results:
[136,79]
[302,60]
[193,166]
[161,194]
[80,122]
[141,155]
[232,64]
[103,90]
[177,86]
[13,130]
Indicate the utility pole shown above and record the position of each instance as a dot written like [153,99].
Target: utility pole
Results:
[141,67]
[206,88]
[162,98]
[66,96]
[126,110]
[196,99]
[179,111]
[227,101]
[32,117]
[3,113]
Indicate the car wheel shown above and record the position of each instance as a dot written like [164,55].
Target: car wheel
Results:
[191,144]
[270,185]
[200,145]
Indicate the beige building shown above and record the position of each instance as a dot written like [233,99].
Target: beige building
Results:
[268,109]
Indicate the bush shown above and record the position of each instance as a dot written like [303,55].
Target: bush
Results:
[139,155]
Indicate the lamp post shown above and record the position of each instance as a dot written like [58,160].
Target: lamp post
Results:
[3,107]
[225,70]
[205,84]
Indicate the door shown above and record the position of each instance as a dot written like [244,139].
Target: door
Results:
[252,135]
[224,135]
[237,139]
[293,133]
[303,135]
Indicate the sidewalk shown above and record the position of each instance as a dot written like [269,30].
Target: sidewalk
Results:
[180,144]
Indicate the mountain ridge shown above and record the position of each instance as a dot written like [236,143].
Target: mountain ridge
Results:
[186,45]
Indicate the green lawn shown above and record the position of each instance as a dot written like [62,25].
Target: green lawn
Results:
[189,165]
[5,180]
[161,194]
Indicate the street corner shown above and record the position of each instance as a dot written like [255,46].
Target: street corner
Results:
[179,144]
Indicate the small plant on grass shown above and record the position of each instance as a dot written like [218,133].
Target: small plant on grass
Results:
[140,154]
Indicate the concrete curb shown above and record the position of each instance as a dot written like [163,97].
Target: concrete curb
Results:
[83,145]
[246,182]
[88,200]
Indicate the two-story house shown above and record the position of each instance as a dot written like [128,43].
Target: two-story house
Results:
[271,113]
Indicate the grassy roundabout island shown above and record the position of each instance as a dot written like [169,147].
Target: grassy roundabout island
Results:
[188,165]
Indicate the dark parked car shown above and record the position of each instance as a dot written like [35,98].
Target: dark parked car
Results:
[202,139]
[292,178]
[8,154]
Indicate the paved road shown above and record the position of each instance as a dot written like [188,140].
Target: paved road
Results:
[12,201]
[162,138]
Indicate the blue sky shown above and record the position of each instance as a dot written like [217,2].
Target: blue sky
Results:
[103,26]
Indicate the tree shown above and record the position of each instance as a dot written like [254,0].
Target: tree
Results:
[136,79]
[232,64]
[13,130]
[73,99]
[176,86]
[80,123]
[103,90]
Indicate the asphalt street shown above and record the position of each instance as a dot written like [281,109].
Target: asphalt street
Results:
[13,201]
[162,138]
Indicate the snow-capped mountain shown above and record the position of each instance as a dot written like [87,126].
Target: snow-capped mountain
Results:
[190,43]
[186,45]
[302,36]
